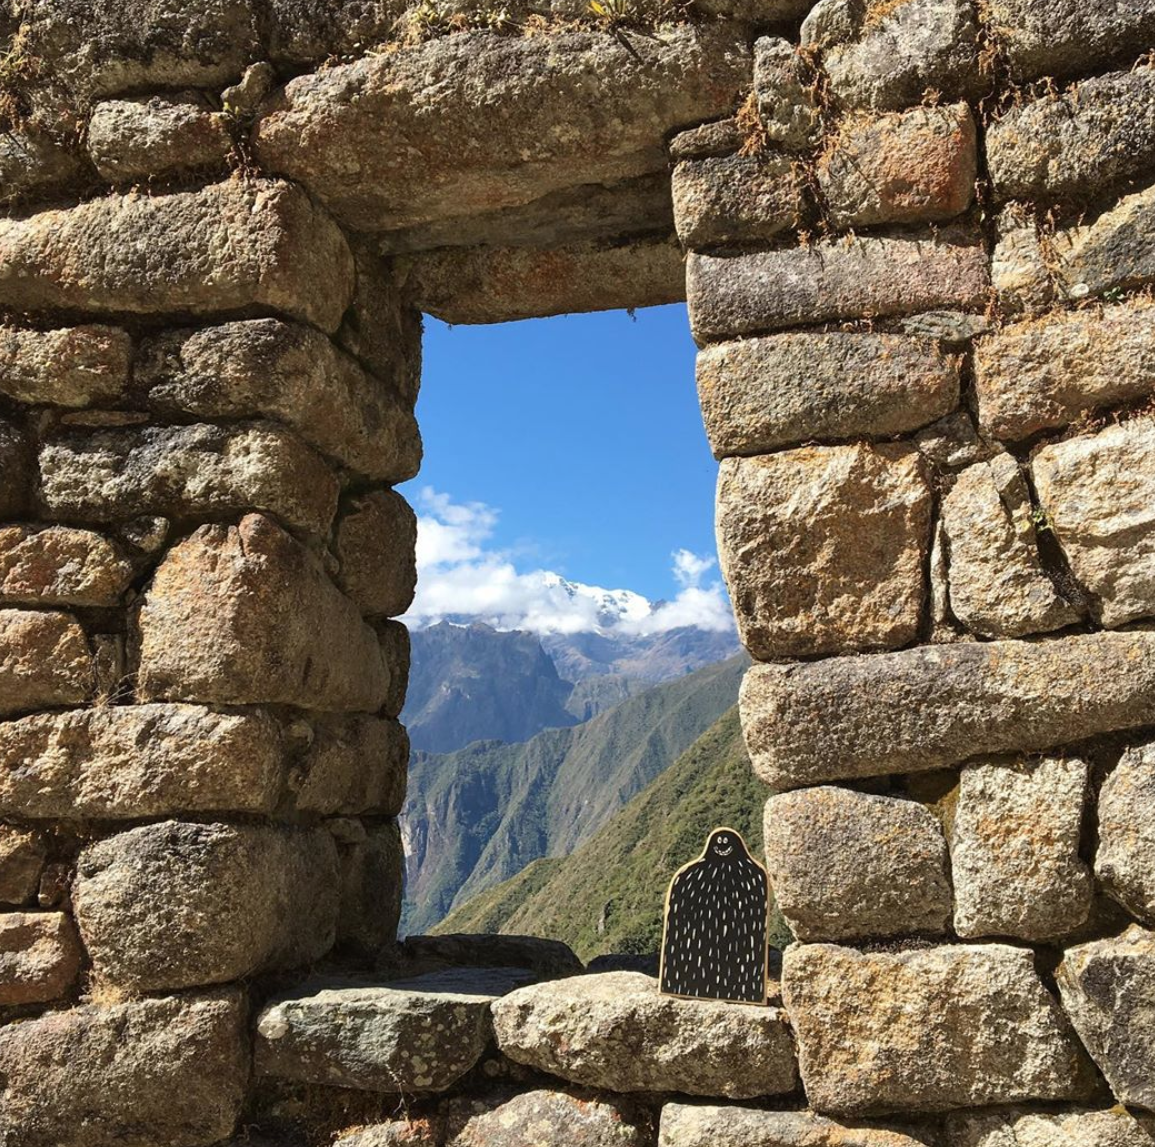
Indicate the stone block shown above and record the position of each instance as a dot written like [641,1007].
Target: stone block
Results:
[1096,492]
[292,374]
[168,1072]
[1125,860]
[998,586]
[761,394]
[1020,268]
[685,1125]
[1075,145]
[953,441]
[372,876]
[1014,849]
[889,56]
[39,957]
[376,545]
[554,1117]
[1066,1127]
[260,244]
[149,136]
[15,470]
[354,765]
[177,904]
[393,639]
[1115,250]
[45,661]
[500,284]
[906,167]
[928,1029]
[719,137]
[791,534]
[73,366]
[697,1047]
[545,959]
[187,471]
[864,278]
[419,1035]
[517,119]
[936,706]
[124,762]
[1065,37]
[785,86]
[22,858]
[34,163]
[59,565]
[246,615]
[1050,372]
[735,199]
[853,866]
[1108,989]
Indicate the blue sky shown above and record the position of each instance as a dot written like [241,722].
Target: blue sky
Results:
[572,445]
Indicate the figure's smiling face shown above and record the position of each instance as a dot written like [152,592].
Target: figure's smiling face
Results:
[721,845]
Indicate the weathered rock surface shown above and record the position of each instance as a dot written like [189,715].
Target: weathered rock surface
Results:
[500,284]
[130,761]
[58,565]
[204,469]
[137,139]
[758,395]
[517,118]
[890,55]
[149,1073]
[1116,250]
[22,858]
[935,706]
[734,199]
[823,548]
[1108,989]
[546,959]
[260,244]
[417,1035]
[927,1029]
[34,163]
[719,137]
[393,641]
[39,956]
[998,587]
[1067,1127]
[1020,271]
[397,1133]
[175,904]
[846,865]
[659,1043]
[244,615]
[15,469]
[866,278]
[45,660]
[953,441]
[1048,373]
[354,765]
[372,875]
[905,167]
[1097,493]
[74,366]
[684,1125]
[376,544]
[1075,145]
[1125,860]
[784,86]
[554,1117]
[290,373]
[1014,849]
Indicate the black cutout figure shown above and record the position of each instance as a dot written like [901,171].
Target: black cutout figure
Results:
[714,942]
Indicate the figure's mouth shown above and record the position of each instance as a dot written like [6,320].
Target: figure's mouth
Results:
[724,851]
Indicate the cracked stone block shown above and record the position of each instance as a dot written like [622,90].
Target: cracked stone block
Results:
[246,615]
[846,865]
[998,586]
[759,395]
[292,374]
[59,565]
[1108,989]
[22,858]
[906,167]
[931,707]
[45,661]
[232,245]
[117,762]
[376,544]
[792,541]
[928,1029]
[39,957]
[1014,849]
[237,900]
[167,1072]
[1096,492]
[698,1047]
[1125,860]
[73,366]
[699,1125]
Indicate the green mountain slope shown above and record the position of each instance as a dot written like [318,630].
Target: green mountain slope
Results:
[478,816]
[608,895]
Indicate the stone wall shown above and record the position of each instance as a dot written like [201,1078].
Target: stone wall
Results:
[916,237]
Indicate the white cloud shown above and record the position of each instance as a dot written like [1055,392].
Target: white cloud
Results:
[460,574]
